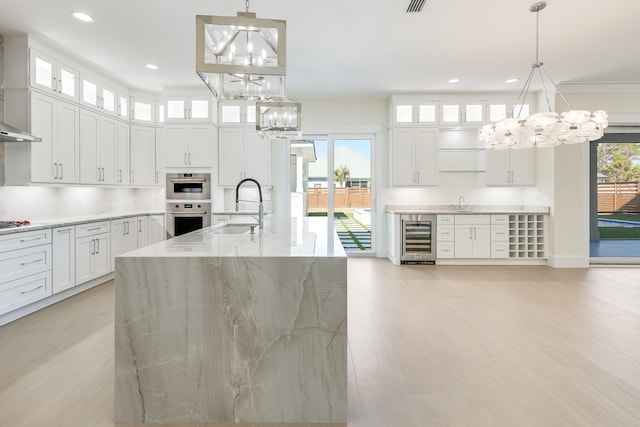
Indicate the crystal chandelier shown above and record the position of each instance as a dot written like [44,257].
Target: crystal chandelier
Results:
[242,57]
[545,129]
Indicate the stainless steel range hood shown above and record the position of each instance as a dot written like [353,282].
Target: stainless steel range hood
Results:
[10,134]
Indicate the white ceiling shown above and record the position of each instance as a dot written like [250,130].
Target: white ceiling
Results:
[355,47]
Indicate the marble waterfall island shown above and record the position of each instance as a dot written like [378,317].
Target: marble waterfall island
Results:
[221,328]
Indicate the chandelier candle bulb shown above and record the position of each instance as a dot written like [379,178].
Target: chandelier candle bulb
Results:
[544,129]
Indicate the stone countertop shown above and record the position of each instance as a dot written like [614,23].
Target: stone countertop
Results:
[62,222]
[301,237]
[468,209]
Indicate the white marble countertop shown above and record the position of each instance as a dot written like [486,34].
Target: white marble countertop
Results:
[82,219]
[468,209]
[301,237]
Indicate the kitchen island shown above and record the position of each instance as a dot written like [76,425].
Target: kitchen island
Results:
[213,327]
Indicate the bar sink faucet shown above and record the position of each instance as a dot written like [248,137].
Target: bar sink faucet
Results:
[460,200]
[260,208]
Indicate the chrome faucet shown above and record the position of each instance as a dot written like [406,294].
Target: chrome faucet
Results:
[260,209]
[460,200]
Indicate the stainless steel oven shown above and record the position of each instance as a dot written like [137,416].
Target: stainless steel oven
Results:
[418,239]
[183,218]
[188,186]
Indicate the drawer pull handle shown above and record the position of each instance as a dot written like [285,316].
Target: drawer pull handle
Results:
[31,240]
[32,262]
[94,228]
[31,290]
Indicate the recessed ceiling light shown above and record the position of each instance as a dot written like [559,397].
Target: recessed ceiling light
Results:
[82,16]
[151,66]
[511,80]
[454,80]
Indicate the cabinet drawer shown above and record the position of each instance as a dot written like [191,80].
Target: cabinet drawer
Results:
[472,219]
[24,262]
[499,233]
[499,250]
[24,291]
[92,228]
[444,219]
[445,250]
[499,219]
[24,239]
[217,219]
[445,233]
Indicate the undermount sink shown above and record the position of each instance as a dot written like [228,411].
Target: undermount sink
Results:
[232,229]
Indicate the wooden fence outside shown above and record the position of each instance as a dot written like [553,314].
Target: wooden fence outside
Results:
[621,197]
[351,197]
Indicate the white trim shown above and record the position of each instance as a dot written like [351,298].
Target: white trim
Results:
[568,262]
[600,88]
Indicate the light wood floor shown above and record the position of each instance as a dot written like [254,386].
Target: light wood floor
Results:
[429,346]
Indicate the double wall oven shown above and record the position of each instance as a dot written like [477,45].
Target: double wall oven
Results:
[188,197]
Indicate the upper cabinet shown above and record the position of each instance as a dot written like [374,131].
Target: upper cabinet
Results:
[510,167]
[414,157]
[412,111]
[237,113]
[497,111]
[190,145]
[458,114]
[143,111]
[188,109]
[98,95]
[53,76]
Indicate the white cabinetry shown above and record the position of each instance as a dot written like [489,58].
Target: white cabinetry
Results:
[499,236]
[472,236]
[243,154]
[53,76]
[237,113]
[143,155]
[509,167]
[98,150]
[123,153]
[471,113]
[411,111]
[394,237]
[527,236]
[143,111]
[190,145]
[93,251]
[445,241]
[497,111]
[124,237]
[25,268]
[414,156]
[98,95]
[188,109]
[64,258]
[156,231]
[55,159]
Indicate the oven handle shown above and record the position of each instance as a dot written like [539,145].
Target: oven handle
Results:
[188,179]
[188,213]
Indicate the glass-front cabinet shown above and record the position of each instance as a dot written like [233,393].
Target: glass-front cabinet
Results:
[472,113]
[53,76]
[237,113]
[411,111]
[98,95]
[497,111]
[190,109]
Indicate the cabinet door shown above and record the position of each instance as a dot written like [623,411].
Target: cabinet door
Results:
[230,156]
[257,157]
[521,167]
[118,231]
[497,167]
[177,146]
[200,151]
[102,255]
[464,241]
[85,247]
[68,142]
[402,157]
[90,172]
[481,241]
[122,154]
[107,148]
[64,259]
[43,71]
[142,236]
[143,155]
[44,164]
[426,156]
[161,156]
[155,229]
[68,78]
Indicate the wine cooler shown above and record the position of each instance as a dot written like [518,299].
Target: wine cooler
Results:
[418,239]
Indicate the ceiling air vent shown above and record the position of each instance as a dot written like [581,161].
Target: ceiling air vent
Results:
[416,5]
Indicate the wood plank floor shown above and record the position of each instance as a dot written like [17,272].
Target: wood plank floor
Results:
[429,346]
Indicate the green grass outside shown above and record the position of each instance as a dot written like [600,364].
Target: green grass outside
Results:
[620,232]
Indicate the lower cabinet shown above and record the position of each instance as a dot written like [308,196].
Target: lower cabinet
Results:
[93,251]
[156,231]
[25,269]
[124,237]
[444,236]
[64,258]
[472,236]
